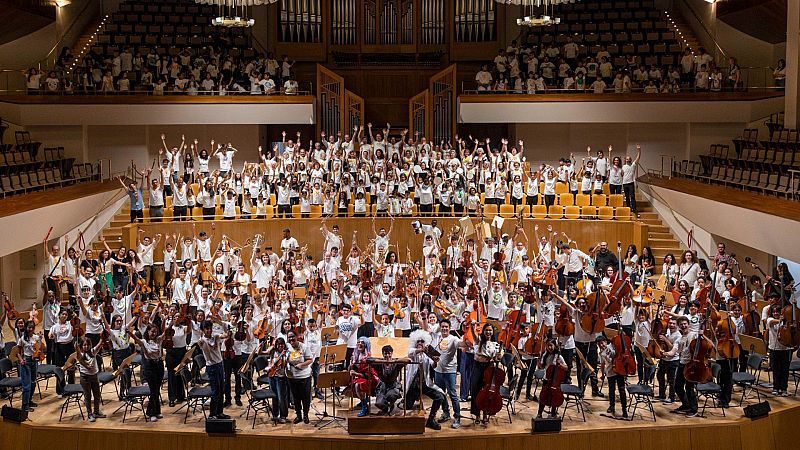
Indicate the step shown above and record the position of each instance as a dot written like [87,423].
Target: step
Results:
[659,235]
[117,222]
[649,216]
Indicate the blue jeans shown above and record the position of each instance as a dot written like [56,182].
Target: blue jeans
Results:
[280,405]
[465,367]
[447,381]
[216,381]
[27,374]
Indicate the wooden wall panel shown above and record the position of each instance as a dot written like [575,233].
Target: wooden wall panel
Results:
[653,439]
[716,436]
[307,231]
[55,438]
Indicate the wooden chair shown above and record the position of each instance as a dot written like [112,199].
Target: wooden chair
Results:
[616,200]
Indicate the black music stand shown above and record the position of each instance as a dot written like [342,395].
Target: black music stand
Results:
[330,381]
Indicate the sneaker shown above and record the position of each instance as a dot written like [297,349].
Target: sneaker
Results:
[432,424]
[625,415]
[29,409]
[223,416]
[57,396]
[207,402]
[444,418]
[238,402]
[598,394]
[610,410]
[282,420]
[33,404]
[91,418]
[297,420]
[681,409]
[456,423]
[776,392]
[660,398]
[153,419]
[305,419]
[172,403]
[668,401]
[691,414]
[159,416]
[99,415]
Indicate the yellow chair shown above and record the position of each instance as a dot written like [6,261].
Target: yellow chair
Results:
[562,188]
[218,213]
[351,210]
[622,213]
[316,211]
[566,199]
[269,211]
[374,210]
[296,211]
[366,197]
[507,211]
[168,202]
[238,213]
[414,210]
[583,200]
[616,200]
[490,211]
[483,198]
[541,186]
[272,200]
[572,212]
[508,198]
[605,213]
[539,211]
[598,200]
[606,189]
[525,211]
[588,212]
[556,212]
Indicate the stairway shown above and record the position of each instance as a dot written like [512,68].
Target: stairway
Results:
[659,236]
[113,231]
[87,39]
[685,34]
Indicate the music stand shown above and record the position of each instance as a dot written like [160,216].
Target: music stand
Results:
[669,299]
[755,345]
[331,380]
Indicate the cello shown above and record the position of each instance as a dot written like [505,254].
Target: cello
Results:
[489,400]
[624,363]
[535,344]
[697,369]
[593,321]
[564,326]
[789,330]
[551,394]
[657,326]
[726,339]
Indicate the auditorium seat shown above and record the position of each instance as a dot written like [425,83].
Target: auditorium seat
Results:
[605,213]
[616,200]
[555,212]
[588,212]
[622,213]
[572,212]
[507,211]
[539,211]
[598,200]
[566,199]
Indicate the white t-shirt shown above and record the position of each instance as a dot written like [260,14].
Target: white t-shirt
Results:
[348,328]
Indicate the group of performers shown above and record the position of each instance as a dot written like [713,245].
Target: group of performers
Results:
[476,318]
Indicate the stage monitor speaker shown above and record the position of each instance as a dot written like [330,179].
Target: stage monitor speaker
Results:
[545,425]
[14,414]
[221,426]
[757,410]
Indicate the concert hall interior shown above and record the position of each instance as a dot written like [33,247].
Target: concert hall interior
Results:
[504,224]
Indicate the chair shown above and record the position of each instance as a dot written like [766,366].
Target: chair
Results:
[132,396]
[573,395]
[259,400]
[748,379]
[622,213]
[605,213]
[316,211]
[794,371]
[539,211]
[198,363]
[572,212]
[296,212]
[43,373]
[642,393]
[711,391]
[507,211]
[616,200]
[562,188]
[195,396]
[507,394]
[490,211]
[588,212]
[566,199]
[14,384]
[583,200]
[72,394]
[555,211]
[598,199]
[260,365]
[105,378]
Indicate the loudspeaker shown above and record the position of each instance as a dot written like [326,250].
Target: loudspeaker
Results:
[545,425]
[757,410]
[221,426]
[13,414]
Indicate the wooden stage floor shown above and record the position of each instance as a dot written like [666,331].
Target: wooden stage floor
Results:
[670,431]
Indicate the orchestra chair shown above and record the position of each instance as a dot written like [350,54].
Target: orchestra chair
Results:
[572,212]
[538,377]
[711,391]
[539,211]
[195,396]
[105,378]
[131,396]
[507,211]
[507,394]
[12,384]
[606,189]
[622,213]
[43,373]
[583,200]
[296,212]
[260,364]
[136,362]
[605,213]
[573,395]
[556,212]
[198,364]
[72,394]
[748,379]
[794,372]
[566,199]
[598,199]
[258,400]
[272,200]
[351,210]
[642,393]
[217,213]
[616,200]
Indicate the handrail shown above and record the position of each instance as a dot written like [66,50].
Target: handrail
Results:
[64,35]
[703,26]
[661,199]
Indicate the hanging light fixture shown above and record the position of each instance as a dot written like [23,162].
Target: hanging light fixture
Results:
[537,21]
[233,13]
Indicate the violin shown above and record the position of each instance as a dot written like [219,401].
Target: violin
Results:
[240,334]
[229,352]
[263,329]
[11,312]
[789,330]
[77,331]
[476,319]
[726,342]
[530,295]
[498,261]
[489,399]
[593,321]
[461,277]
[697,369]
[770,286]
[624,363]
[40,350]
[440,305]
[551,394]
[435,288]
[365,275]
[548,278]
[169,333]
[105,338]
[273,368]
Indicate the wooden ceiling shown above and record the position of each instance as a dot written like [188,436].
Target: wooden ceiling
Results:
[762,19]
[26,18]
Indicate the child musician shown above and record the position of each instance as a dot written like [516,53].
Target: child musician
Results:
[552,356]
[87,360]
[615,380]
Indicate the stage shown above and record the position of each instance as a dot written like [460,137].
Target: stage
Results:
[670,431]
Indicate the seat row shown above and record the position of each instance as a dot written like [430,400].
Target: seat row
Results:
[762,181]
